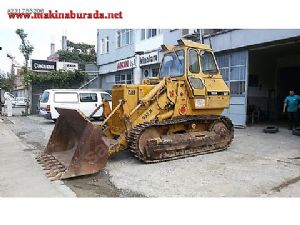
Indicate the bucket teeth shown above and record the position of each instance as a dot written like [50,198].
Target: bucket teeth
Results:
[46,167]
[53,173]
[56,177]
[42,161]
[61,167]
[53,168]
[49,172]
[62,170]
[39,155]
[45,158]
[46,162]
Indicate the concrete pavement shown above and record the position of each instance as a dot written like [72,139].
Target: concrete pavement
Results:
[255,165]
[20,175]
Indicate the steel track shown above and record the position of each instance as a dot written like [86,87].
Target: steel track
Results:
[135,133]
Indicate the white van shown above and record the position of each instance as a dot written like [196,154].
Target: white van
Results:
[86,100]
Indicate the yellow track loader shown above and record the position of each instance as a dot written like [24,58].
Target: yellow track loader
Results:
[173,116]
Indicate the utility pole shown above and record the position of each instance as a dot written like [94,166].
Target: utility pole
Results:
[0,101]
[201,36]
[0,94]
[12,58]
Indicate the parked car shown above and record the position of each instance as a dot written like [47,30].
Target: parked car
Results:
[85,100]
[9,96]
[6,96]
[19,101]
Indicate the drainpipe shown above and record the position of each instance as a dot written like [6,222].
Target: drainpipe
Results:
[137,71]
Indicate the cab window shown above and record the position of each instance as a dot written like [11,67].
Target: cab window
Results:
[173,64]
[208,63]
[194,66]
[196,83]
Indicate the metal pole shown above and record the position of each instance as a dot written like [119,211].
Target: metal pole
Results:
[201,36]
[0,101]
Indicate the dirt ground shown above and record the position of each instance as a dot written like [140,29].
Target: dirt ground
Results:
[256,165]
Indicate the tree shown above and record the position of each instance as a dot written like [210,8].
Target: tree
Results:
[55,79]
[6,82]
[25,48]
[80,53]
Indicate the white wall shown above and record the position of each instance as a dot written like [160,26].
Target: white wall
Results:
[246,37]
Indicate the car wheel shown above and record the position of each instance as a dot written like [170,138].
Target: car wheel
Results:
[271,129]
[296,131]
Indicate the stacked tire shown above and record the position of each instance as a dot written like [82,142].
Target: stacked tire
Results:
[271,129]
[296,131]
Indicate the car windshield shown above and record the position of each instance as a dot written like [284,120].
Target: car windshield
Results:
[172,64]
[106,96]
[45,96]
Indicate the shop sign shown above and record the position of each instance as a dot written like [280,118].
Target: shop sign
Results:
[149,58]
[126,64]
[43,65]
[67,66]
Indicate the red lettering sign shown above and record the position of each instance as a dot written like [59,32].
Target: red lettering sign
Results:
[123,64]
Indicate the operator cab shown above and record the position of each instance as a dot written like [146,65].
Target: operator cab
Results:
[200,60]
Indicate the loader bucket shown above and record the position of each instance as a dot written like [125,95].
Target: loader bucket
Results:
[75,147]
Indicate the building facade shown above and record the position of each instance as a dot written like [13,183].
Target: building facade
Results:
[260,66]
[129,56]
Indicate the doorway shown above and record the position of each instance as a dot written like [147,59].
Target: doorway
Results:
[288,79]
[274,69]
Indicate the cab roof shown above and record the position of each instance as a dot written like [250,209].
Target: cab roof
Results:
[187,43]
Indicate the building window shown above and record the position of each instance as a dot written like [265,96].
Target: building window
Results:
[233,68]
[104,45]
[123,78]
[148,33]
[155,72]
[146,73]
[124,37]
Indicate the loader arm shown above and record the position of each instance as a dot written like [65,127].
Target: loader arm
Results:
[158,104]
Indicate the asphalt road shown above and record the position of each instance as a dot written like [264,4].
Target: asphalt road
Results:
[256,164]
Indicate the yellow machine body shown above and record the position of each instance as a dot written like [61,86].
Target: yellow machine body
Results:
[164,118]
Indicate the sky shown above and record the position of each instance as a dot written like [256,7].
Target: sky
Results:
[41,40]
